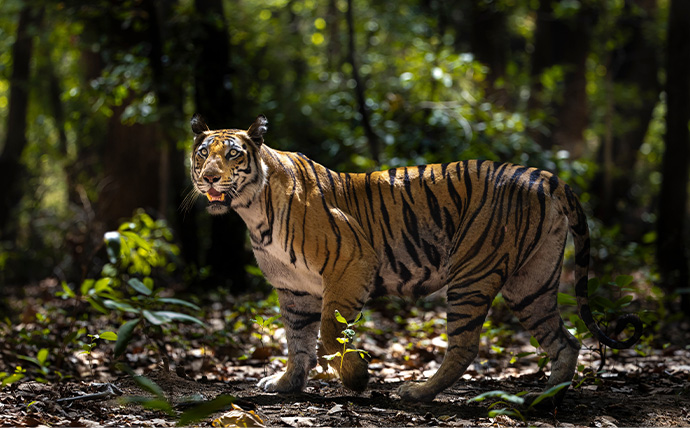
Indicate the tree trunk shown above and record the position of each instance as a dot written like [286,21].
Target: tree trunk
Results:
[489,42]
[564,42]
[372,138]
[633,66]
[672,237]
[15,140]
[214,100]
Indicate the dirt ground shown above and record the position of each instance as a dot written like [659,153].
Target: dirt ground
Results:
[650,397]
[647,387]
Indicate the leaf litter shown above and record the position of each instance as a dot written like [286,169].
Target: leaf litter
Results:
[88,390]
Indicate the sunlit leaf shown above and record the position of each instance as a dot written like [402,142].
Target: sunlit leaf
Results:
[42,356]
[177,316]
[180,302]
[501,395]
[340,318]
[108,335]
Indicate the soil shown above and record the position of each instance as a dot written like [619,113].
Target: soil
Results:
[648,386]
[650,397]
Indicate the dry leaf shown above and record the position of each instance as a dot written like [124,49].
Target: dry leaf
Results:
[238,418]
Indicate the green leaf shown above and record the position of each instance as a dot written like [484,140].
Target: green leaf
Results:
[148,385]
[339,317]
[272,319]
[622,302]
[330,357]
[501,395]
[108,335]
[204,409]
[42,356]
[103,284]
[508,412]
[86,286]
[259,320]
[12,379]
[154,318]
[359,317]
[254,271]
[139,286]
[173,301]
[623,280]
[177,316]
[566,300]
[549,393]
[67,290]
[124,335]
[114,304]
[29,359]
[533,341]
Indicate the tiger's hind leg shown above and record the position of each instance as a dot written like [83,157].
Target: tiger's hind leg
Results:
[469,301]
[301,315]
[532,294]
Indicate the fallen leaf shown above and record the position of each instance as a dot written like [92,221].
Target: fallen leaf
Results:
[297,421]
[335,409]
[238,418]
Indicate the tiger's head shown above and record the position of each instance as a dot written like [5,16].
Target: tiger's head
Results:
[225,164]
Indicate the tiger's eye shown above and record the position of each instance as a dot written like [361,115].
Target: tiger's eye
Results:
[232,154]
[203,152]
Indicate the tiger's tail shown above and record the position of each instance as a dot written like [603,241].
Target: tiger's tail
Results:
[577,223]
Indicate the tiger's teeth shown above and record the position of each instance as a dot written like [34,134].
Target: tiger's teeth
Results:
[215,198]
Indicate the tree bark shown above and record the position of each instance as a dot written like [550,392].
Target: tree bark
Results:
[11,170]
[565,42]
[633,66]
[489,40]
[671,230]
[371,136]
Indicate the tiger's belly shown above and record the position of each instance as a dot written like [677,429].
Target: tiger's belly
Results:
[278,269]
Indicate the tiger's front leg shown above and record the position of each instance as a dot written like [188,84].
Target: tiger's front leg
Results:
[347,295]
[301,315]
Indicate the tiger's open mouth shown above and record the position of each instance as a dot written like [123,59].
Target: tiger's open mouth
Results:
[214,195]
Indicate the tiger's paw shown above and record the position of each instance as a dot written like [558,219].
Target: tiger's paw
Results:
[281,383]
[355,373]
[416,392]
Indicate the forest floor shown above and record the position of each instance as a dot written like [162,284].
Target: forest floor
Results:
[649,387]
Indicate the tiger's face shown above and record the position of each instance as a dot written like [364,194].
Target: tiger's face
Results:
[225,164]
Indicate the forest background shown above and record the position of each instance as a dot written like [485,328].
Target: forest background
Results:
[96,97]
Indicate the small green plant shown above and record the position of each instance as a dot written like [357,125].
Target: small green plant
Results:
[511,404]
[41,361]
[139,247]
[8,379]
[347,337]
[543,357]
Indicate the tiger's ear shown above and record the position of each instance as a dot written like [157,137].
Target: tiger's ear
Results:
[257,130]
[198,124]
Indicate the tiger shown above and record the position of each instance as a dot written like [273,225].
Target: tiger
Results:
[329,241]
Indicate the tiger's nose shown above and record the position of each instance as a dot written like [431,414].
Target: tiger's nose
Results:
[211,179]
